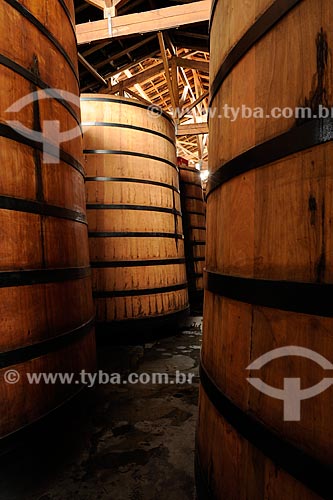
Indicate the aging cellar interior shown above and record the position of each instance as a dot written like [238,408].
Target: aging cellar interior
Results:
[166,250]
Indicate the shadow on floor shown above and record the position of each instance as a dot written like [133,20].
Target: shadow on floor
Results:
[118,441]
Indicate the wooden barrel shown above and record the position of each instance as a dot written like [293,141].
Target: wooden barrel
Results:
[134,215]
[269,258]
[194,222]
[46,308]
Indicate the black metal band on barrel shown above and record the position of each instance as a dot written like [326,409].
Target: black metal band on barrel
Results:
[134,293]
[193,198]
[136,181]
[304,298]
[189,169]
[130,127]
[310,134]
[68,15]
[197,243]
[27,353]
[14,135]
[194,213]
[199,228]
[39,208]
[34,21]
[188,183]
[273,15]
[314,474]
[212,13]
[136,263]
[134,234]
[158,110]
[129,153]
[40,276]
[103,206]
[31,77]
[198,259]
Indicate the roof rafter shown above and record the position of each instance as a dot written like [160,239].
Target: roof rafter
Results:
[143,22]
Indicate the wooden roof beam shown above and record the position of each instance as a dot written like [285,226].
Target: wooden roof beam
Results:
[137,96]
[100,4]
[192,129]
[144,22]
[167,71]
[192,64]
[118,55]
[194,104]
[103,4]
[141,77]
[91,69]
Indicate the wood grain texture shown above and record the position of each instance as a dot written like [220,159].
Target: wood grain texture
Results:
[194,221]
[36,240]
[135,167]
[271,223]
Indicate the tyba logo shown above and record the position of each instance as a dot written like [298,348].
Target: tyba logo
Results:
[291,394]
[50,137]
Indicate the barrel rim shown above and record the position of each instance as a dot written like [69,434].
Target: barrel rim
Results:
[131,102]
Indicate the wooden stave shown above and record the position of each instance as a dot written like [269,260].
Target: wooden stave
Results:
[194,213]
[60,279]
[160,239]
[216,263]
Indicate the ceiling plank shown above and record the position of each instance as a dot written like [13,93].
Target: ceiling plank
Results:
[118,55]
[141,77]
[192,64]
[192,129]
[144,22]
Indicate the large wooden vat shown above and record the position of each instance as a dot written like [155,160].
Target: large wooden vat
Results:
[269,255]
[134,214]
[46,308]
[193,210]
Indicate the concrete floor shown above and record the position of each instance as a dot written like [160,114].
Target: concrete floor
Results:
[121,442]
